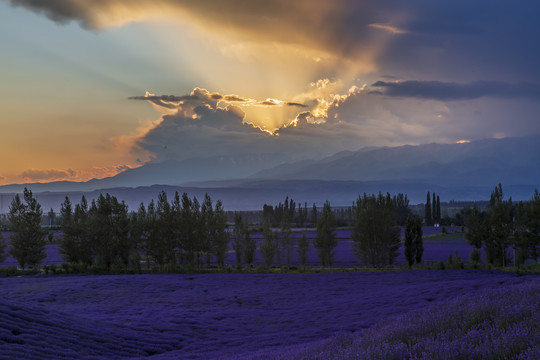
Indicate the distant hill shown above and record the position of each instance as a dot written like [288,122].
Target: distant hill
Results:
[170,172]
[511,161]
[466,171]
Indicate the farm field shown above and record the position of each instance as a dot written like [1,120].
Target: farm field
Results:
[206,316]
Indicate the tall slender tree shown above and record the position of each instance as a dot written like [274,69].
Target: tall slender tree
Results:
[286,240]
[206,228]
[27,241]
[438,213]
[427,215]
[302,250]
[375,234]
[3,245]
[501,225]
[401,207]
[325,242]
[268,245]
[533,226]
[434,208]
[238,242]
[414,245]
[220,238]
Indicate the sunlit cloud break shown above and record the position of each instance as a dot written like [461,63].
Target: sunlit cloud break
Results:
[388,27]
[187,105]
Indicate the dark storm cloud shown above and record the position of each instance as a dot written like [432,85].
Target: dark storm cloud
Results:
[452,91]
[458,40]
[59,11]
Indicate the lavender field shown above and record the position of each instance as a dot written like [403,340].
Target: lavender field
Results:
[207,316]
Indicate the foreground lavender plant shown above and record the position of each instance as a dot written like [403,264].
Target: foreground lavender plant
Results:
[286,316]
[494,324]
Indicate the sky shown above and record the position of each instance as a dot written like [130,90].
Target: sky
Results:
[91,88]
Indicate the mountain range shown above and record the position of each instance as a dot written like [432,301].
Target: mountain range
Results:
[464,171]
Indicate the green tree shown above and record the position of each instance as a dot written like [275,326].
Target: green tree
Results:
[109,226]
[287,240]
[198,232]
[188,228]
[414,247]
[325,241]
[520,235]
[139,235]
[533,226]
[249,246]
[70,244]
[477,229]
[401,206]
[427,216]
[3,252]
[434,208]
[375,234]
[157,216]
[302,250]
[76,245]
[206,228]
[220,236]
[238,239]
[501,227]
[268,246]
[27,241]
[438,212]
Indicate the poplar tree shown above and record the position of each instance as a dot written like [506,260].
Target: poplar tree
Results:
[287,241]
[375,234]
[238,241]
[533,226]
[206,228]
[428,217]
[414,247]
[438,209]
[27,241]
[3,252]
[268,246]
[249,246]
[325,241]
[501,223]
[220,237]
[69,247]
[434,208]
[302,250]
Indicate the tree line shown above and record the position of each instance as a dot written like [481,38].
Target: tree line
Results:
[189,234]
[184,232]
[506,224]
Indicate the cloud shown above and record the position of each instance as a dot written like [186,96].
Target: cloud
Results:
[388,27]
[96,172]
[332,119]
[329,27]
[201,126]
[48,175]
[452,91]
[460,40]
